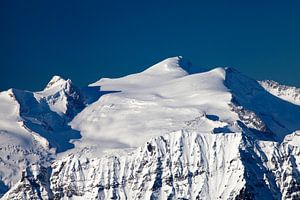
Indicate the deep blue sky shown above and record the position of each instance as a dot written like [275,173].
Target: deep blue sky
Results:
[86,40]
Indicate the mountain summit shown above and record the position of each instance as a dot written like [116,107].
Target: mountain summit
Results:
[164,133]
[176,65]
[56,81]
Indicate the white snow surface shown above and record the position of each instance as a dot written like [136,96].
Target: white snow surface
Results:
[54,94]
[159,100]
[166,132]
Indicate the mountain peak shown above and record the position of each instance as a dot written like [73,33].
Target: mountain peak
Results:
[177,65]
[56,81]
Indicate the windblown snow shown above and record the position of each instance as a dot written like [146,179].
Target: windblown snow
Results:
[168,132]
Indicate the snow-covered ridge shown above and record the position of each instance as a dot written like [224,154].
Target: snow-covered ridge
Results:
[166,132]
[287,93]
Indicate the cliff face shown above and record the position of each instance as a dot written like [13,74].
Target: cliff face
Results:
[179,165]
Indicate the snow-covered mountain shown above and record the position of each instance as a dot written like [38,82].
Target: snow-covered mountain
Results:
[288,93]
[173,131]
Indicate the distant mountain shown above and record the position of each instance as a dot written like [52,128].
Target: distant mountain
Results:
[173,131]
[288,93]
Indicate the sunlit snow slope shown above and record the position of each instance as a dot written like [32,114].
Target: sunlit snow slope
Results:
[162,99]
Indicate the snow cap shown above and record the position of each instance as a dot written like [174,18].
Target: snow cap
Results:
[170,65]
[55,81]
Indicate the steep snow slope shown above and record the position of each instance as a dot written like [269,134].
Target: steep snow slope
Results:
[164,133]
[288,93]
[179,165]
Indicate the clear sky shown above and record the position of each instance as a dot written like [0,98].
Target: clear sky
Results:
[87,40]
